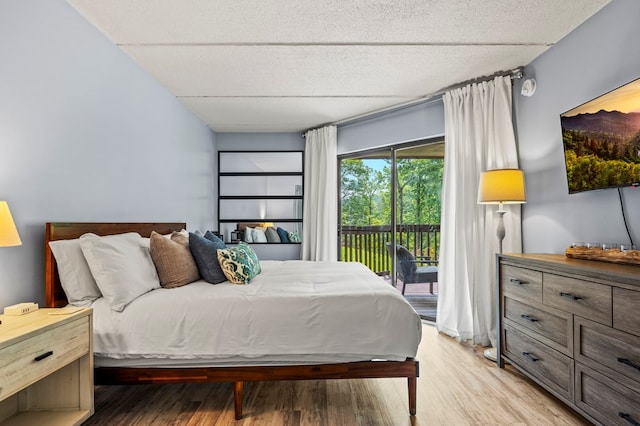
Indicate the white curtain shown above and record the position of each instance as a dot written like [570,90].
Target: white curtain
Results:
[320,227]
[478,137]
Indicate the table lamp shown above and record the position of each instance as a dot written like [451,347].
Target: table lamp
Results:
[501,186]
[8,232]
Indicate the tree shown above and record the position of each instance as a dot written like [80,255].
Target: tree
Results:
[366,193]
[360,186]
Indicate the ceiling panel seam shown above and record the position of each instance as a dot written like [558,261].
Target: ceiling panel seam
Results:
[355,44]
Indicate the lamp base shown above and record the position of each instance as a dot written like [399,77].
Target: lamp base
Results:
[491,354]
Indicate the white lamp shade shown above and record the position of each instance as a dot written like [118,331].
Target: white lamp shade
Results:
[502,186]
[8,232]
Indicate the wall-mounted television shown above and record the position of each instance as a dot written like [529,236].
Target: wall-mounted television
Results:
[601,140]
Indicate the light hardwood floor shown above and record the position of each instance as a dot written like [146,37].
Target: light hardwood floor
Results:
[457,386]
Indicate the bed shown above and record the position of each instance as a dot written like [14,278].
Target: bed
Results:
[257,341]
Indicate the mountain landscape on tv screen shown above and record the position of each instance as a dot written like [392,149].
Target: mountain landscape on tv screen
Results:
[602,149]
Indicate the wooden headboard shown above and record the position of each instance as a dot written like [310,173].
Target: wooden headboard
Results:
[55,296]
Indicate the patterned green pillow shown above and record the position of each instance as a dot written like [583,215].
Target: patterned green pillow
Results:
[238,266]
[252,254]
[294,237]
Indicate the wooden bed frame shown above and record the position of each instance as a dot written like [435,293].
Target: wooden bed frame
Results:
[55,297]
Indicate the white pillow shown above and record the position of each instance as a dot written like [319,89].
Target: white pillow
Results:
[146,242]
[121,266]
[259,236]
[75,276]
[248,235]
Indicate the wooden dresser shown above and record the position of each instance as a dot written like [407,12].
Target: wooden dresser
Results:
[573,326]
[46,368]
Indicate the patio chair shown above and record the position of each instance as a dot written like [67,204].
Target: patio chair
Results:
[409,272]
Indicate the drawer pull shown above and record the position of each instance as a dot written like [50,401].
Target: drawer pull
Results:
[570,296]
[628,418]
[629,363]
[529,318]
[517,281]
[43,356]
[530,356]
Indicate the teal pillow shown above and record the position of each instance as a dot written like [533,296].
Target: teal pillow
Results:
[284,235]
[237,265]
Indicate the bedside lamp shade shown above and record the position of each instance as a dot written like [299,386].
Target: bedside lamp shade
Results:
[8,232]
[502,186]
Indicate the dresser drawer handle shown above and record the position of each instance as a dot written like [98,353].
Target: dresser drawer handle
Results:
[629,363]
[570,296]
[530,356]
[628,418]
[528,318]
[43,356]
[517,281]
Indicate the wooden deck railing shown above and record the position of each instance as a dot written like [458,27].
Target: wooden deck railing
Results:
[366,244]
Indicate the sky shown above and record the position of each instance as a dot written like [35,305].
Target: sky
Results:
[624,99]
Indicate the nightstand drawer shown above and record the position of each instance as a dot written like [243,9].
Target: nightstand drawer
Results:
[585,298]
[549,366]
[29,360]
[604,399]
[556,328]
[599,346]
[521,283]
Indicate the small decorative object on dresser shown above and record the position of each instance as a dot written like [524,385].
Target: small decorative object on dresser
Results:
[46,367]
[573,327]
[615,253]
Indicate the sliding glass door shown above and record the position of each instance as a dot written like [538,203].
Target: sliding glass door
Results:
[391,198]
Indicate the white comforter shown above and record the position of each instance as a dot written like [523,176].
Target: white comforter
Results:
[292,312]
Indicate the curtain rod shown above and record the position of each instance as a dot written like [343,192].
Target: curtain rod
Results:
[515,74]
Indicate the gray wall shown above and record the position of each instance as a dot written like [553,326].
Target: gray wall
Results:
[597,57]
[86,135]
[417,122]
[260,141]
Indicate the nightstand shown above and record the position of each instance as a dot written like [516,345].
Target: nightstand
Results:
[46,368]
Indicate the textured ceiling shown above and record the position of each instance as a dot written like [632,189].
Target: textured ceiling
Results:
[281,66]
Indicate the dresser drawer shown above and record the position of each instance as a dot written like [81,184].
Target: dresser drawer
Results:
[543,363]
[29,360]
[626,302]
[606,400]
[599,346]
[584,298]
[553,328]
[521,283]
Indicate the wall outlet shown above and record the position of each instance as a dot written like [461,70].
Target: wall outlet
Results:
[21,308]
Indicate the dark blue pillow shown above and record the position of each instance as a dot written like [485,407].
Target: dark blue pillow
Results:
[284,235]
[205,253]
[214,238]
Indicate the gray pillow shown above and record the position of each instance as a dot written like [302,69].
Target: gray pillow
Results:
[205,253]
[272,235]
